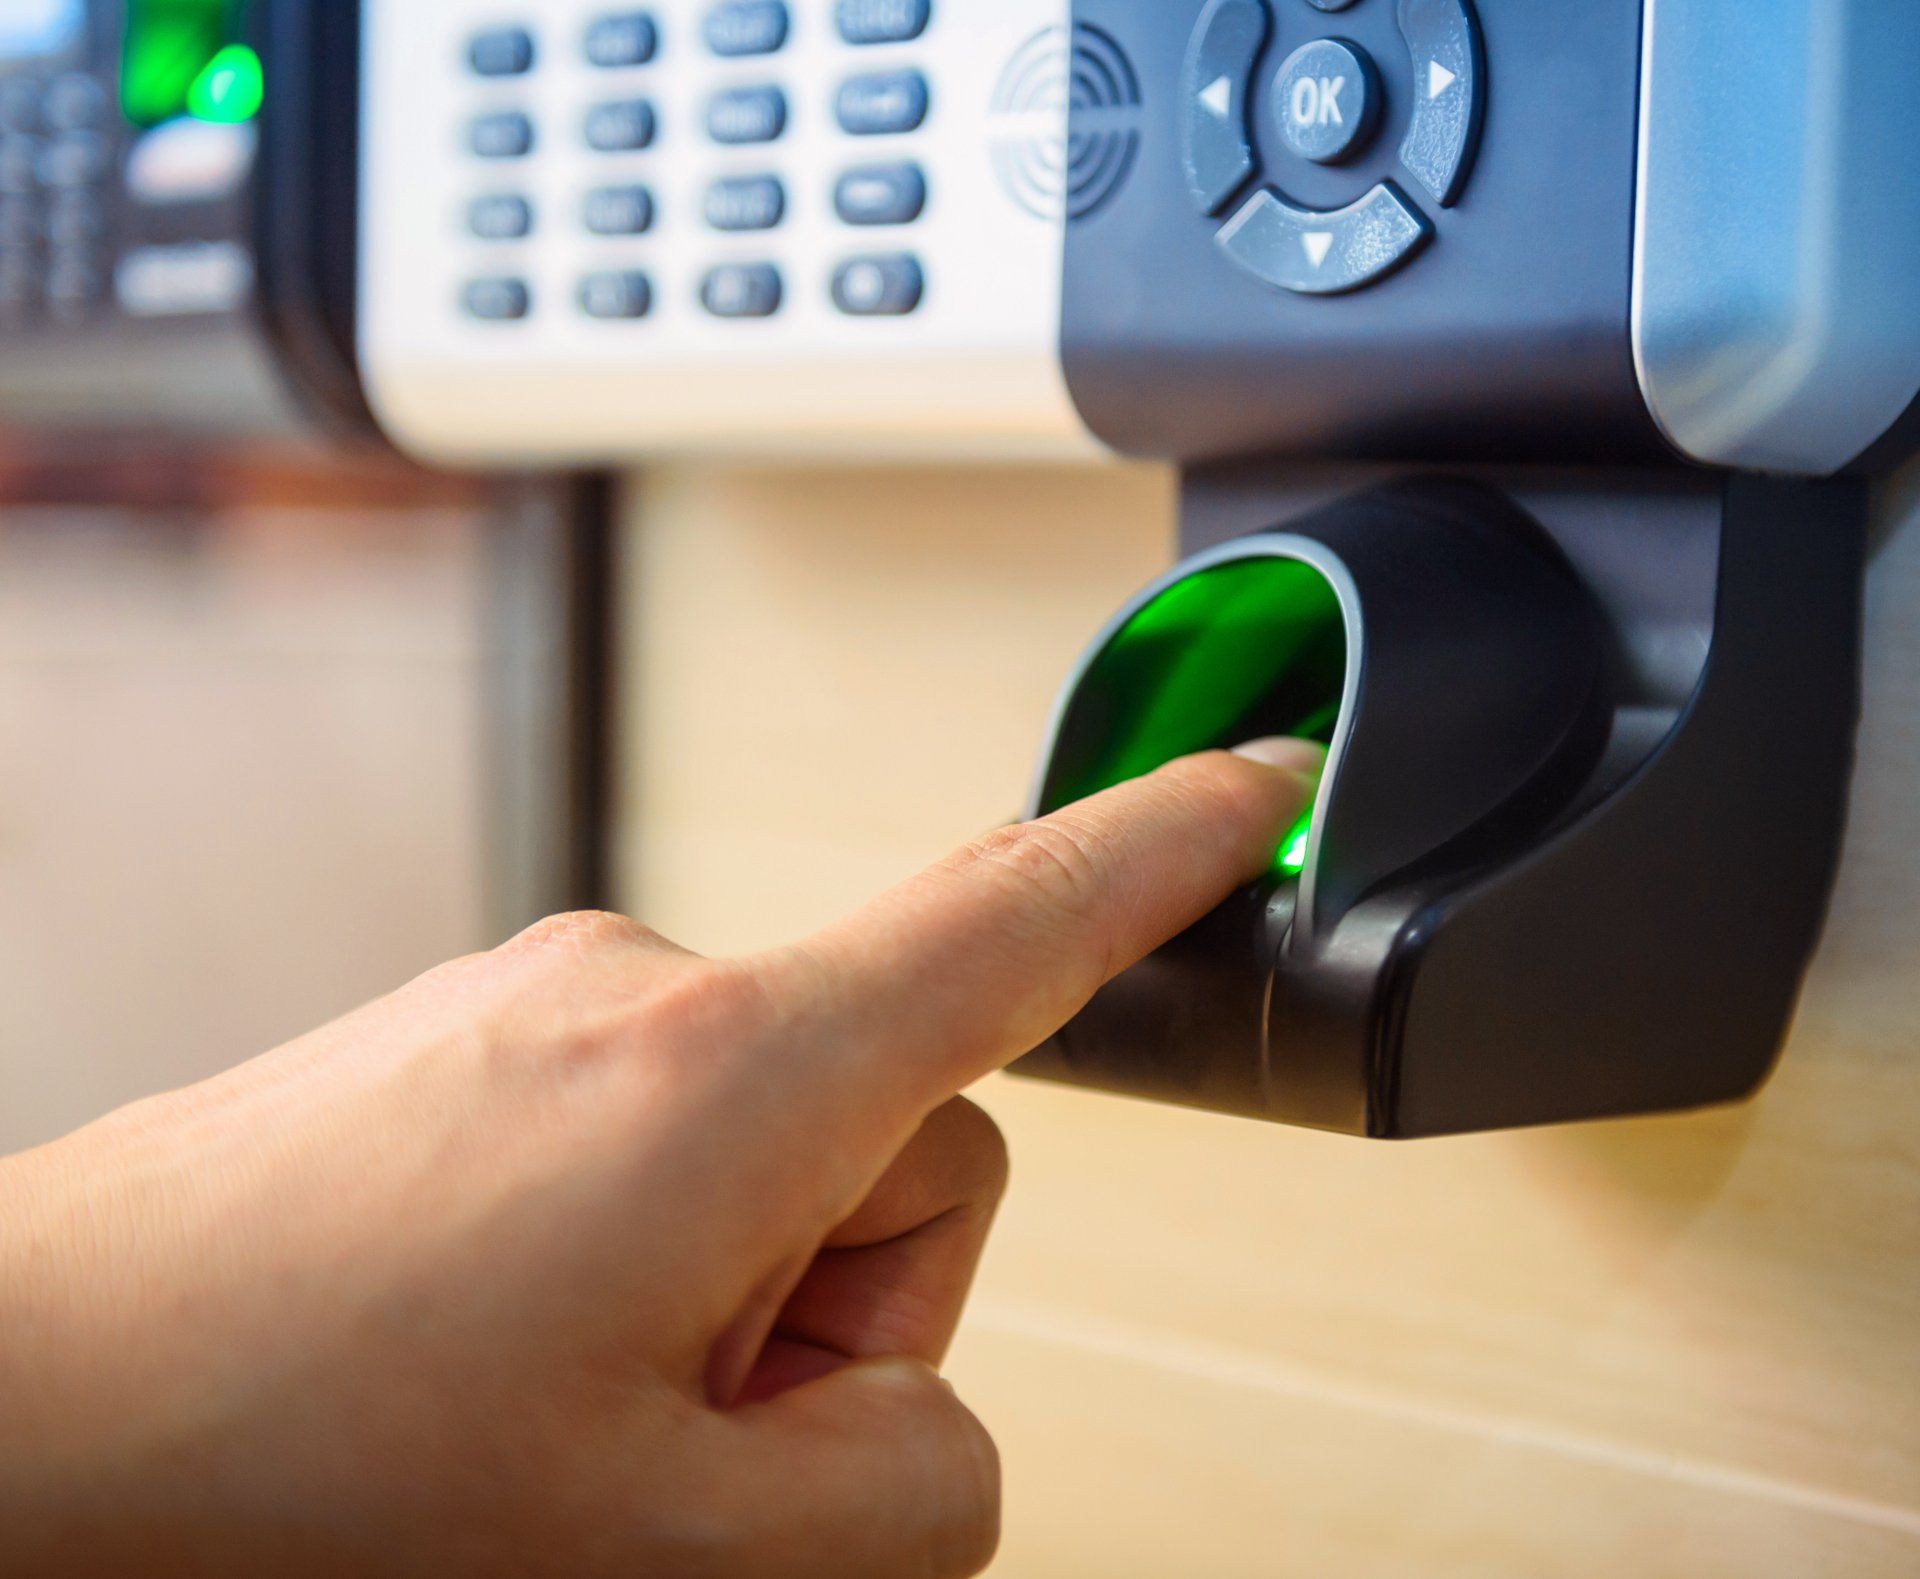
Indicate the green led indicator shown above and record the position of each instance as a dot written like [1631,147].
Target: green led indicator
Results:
[1243,649]
[1293,848]
[187,57]
[230,90]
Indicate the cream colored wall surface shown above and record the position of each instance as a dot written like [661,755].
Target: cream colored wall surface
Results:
[240,784]
[1684,1346]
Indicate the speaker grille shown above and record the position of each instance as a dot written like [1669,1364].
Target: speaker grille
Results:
[1066,122]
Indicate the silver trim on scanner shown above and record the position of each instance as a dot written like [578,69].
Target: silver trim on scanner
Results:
[1776,268]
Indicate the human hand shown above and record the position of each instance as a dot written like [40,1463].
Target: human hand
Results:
[587,1255]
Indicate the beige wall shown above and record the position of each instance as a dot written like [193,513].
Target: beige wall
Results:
[241,782]
[1686,1347]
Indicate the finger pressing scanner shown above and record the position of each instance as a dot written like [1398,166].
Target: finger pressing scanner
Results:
[1527,367]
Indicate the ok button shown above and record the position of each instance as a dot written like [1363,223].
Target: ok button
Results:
[1326,99]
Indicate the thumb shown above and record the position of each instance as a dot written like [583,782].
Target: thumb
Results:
[873,1471]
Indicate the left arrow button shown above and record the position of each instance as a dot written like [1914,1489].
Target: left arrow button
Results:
[1215,88]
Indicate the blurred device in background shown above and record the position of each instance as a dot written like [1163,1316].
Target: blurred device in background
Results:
[289,716]
[177,224]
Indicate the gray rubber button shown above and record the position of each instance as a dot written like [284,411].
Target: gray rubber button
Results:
[887,286]
[1216,85]
[505,134]
[618,293]
[500,217]
[1449,91]
[880,194]
[1326,100]
[746,202]
[881,21]
[742,290]
[1323,252]
[497,300]
[501,52]
[747,115]
[627,38]
[746,27]
[618,210]
[882,102]
[621,126]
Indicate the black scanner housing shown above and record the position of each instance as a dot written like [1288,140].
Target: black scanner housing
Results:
[1580,817]
[1585,794]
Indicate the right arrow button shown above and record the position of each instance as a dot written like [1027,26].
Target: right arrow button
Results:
[1449,93]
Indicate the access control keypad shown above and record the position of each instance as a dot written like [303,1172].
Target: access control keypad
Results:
[58,155]
[603,228]
[630,46]
[1325,102]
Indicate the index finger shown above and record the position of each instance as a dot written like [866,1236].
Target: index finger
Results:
[984,955]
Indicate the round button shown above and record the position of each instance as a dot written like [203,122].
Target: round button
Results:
[1326,98]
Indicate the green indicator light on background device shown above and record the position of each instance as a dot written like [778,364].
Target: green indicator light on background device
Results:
[187,57]
[1247,648]
[230,90]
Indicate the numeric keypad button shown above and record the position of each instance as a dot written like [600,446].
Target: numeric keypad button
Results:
[497,300]
[502,134]
[73,102]
[500,217]
[19,104]
[74,159]
[620,126]
[501,52]
[618,211]
[742,290]
[626,38]
[746,27]
[888,286]
[746,202]
[19,222]
[881,21]
[76,219]
[617,293]
[747,115]
[882,102]
[881,194]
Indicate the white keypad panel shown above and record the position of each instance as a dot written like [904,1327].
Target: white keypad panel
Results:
[594,231]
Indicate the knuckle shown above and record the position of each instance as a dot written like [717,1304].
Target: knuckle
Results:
[1218,781]
[582,932]
[983,1147]
[1053,860]
[963,1540]
[701,1003]
[1213,776]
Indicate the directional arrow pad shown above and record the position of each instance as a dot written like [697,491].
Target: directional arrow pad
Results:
[1320,253]
[1444,39]
[1214,83]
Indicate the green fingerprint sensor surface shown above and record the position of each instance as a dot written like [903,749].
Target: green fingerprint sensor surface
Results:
[1242,649]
